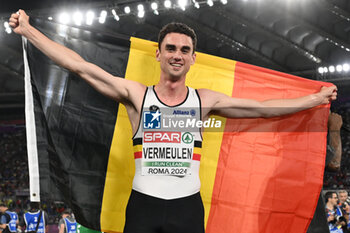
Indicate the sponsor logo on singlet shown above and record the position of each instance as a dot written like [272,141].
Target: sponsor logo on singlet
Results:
[167,153]
[152,120]
[191,112]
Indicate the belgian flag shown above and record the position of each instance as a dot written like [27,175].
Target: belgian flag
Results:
[257,175]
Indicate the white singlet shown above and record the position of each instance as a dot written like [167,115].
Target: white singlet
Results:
[167,147]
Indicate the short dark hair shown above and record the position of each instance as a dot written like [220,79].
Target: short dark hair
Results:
[3,205]
[328,195]
[177,28]
[34,205]
[67,211]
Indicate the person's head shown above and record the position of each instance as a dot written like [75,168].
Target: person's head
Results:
[343,195]
[331,198]
[3,207]
[177,28]
[66,213]
[176,50]
[34,205]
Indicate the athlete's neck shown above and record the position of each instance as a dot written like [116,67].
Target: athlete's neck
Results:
[329,206]
[171,93]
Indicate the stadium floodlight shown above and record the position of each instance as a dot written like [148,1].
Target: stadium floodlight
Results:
[320,70]
[90,15]
[103,16]
[154,6]
[339,68]
[8,30]
[140,7]
[167,3]
[140,14]
[196,5]
[331,69]
[210,3]
[325,69]
[224,2]
[182,4]
[50,18]
[127,10]
[140,11]
[346,67]
[64,18]
[77,18]
[115,16]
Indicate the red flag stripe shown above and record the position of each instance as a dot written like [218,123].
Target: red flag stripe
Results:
[138,154]
[197,157]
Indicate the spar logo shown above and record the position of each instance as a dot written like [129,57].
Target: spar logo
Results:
[166,137]
[187,138]
[152,120]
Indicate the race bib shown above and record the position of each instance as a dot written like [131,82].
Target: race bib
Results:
[167,153]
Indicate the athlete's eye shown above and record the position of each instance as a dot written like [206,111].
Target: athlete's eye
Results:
[185,49]
[169,47]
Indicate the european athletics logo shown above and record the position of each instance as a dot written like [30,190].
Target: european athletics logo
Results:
[151,120]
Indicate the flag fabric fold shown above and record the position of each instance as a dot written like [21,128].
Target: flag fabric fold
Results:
[257,175]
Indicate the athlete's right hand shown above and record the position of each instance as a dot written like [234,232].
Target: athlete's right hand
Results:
[19,21]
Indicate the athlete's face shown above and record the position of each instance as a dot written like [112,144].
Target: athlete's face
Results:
[176,55]
[343,197]
[334,199]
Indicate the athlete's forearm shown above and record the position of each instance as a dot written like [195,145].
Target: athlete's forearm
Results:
[335,143]
[280,107]
[61,55]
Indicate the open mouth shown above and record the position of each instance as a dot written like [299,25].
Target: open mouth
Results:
[176,64]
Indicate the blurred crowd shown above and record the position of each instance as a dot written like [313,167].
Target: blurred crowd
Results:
[14,179]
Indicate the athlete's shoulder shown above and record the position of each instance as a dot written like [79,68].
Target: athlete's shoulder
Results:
[206,92]
[208,96]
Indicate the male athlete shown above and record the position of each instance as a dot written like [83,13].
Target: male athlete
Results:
[165,196]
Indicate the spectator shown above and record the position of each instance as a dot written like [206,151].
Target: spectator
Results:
[343,196]
[67,223]
[9,220]
[35,220]
[334,214]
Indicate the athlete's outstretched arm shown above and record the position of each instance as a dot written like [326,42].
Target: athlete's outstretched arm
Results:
[109,85]
[223,105]
[335,123]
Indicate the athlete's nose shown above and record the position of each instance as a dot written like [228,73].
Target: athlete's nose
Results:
[177,55]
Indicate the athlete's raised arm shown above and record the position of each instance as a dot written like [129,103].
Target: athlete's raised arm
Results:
[121,90]
[223,105]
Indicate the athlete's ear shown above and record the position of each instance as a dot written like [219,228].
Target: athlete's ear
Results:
[194,55]
[157,55]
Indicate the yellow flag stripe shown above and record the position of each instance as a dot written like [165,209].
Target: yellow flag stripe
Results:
[216,74]
[197,150]
[137,148]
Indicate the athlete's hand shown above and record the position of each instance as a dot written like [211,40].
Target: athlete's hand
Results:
[19,21]
[328,94]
